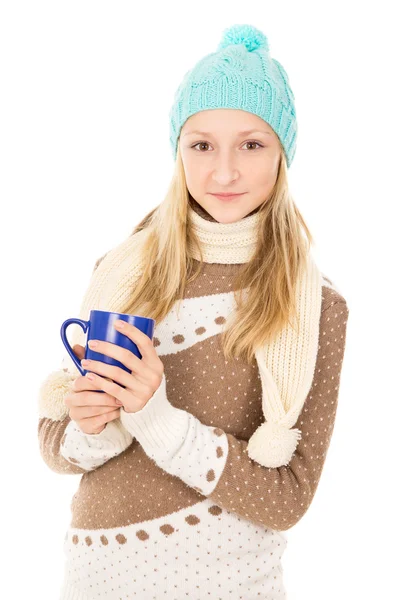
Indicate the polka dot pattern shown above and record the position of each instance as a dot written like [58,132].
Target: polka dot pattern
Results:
[202,553]
[51,435]
[280,497]
[91,451]
[215,518]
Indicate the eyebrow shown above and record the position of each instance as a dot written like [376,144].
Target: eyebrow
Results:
[241,133]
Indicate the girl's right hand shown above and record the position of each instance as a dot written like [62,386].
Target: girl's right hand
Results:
[90,409]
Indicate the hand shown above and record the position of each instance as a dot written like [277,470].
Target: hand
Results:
[90,410]
[145,374]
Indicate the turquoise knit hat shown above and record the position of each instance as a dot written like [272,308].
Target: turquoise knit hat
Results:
[241,74]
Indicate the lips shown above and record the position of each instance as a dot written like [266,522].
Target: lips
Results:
[224,196]
[227,193]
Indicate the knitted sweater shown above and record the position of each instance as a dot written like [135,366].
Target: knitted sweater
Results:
[169,501]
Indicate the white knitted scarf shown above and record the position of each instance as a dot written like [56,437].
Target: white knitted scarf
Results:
[286,365]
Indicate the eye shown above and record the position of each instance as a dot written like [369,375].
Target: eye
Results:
[249,142]
[253,142]
[200,144]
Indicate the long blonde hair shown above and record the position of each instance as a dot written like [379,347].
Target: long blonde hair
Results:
[269,278]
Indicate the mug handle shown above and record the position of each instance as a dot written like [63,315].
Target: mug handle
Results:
[84,325]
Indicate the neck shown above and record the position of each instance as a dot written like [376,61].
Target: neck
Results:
[226,243]
[203,213]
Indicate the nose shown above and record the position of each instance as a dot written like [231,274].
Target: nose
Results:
[225,169]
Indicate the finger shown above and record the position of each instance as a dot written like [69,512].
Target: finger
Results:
[120,385]
[122,355]
[112,373]
[88,412]
[95,425]
[141,368]
[89,398]
[99,420]
[83,384]
[124,395]
[79,351]
[144,343]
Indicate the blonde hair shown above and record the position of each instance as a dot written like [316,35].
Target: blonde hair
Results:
[270,276]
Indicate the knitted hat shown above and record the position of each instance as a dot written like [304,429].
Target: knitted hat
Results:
[241,74]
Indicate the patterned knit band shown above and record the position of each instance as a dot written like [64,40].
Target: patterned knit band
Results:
[242,75]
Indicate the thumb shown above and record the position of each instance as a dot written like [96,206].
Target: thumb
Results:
[79,351]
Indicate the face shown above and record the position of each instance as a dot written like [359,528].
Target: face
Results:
[229,151]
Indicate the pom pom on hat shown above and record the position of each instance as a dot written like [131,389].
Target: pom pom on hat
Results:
[248,35]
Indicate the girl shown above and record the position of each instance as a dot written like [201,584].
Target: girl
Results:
[196,462]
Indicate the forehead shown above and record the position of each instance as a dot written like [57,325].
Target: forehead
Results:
[222,121]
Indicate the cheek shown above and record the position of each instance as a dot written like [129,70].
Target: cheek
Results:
[195,174]
[262,181]
[264,175]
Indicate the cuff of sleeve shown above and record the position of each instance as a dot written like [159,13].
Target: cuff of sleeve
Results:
[114,434]
[159,426]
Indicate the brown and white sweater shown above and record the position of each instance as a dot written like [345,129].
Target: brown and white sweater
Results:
[169,501]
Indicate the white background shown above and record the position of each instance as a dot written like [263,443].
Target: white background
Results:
[86,88]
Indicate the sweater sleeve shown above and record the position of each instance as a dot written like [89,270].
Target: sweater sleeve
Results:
[217,464]
[64,447]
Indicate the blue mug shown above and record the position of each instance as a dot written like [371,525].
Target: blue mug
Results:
[100,326]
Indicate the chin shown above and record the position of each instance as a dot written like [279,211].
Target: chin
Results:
[228,216]
[226,220]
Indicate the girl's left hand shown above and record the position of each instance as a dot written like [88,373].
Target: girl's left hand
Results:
[146,373]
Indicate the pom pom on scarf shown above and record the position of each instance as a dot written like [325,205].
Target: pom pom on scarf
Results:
[52,393]
[273,445]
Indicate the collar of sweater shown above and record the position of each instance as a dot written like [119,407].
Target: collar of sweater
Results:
[226,243]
